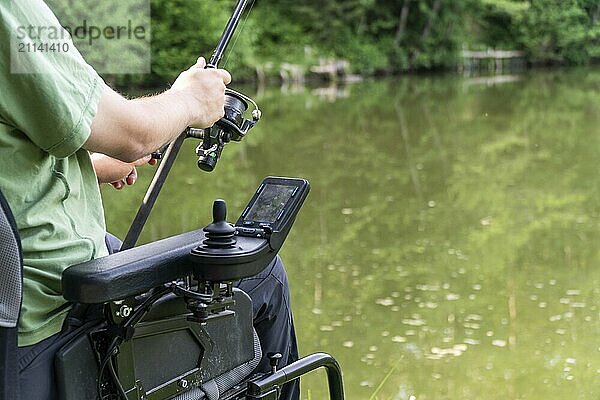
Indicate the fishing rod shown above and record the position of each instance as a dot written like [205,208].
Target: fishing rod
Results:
[232,127]
[232,25]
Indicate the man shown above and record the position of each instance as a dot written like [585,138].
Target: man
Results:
[50,122]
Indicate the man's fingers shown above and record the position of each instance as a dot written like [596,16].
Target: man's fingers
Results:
[118,185]
[201,63]
[142,161]
[132,177]
[226,76]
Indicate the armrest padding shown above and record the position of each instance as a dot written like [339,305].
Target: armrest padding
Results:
[130,272]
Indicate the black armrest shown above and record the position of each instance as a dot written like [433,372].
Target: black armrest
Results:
[135,271]
[131,272]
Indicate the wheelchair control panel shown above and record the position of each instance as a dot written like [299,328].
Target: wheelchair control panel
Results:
[233,252]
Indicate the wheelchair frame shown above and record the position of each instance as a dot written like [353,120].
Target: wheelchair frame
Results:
[117,279]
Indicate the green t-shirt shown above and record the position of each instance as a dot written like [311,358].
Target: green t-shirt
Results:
[46,176]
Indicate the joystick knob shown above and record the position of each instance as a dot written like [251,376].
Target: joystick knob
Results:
[220,234]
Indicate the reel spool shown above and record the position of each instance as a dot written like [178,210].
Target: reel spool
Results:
[232,127]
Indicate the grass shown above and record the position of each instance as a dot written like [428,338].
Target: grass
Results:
[383,381]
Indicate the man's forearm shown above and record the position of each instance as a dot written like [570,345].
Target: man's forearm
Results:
[109,169]
[131,129]
[137,127]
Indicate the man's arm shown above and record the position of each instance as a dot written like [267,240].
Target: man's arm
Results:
[131,129]
[115,172]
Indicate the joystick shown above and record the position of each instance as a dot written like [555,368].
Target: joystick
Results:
[220,234]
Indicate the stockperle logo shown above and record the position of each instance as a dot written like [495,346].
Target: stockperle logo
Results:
[114,37]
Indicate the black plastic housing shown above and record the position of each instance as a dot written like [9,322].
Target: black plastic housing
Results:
[166,339]
[248,257]
[289,210]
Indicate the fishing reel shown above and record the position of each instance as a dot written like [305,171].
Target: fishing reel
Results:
[232,127]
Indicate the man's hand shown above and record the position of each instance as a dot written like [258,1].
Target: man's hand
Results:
[204,91]
[117,173]
[131,129]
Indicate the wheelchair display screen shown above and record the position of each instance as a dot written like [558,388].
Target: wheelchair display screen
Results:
[274,205]
[270,203]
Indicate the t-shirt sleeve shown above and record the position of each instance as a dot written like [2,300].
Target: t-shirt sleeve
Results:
[50,96]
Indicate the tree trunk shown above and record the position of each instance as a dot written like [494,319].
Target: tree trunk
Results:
[596,15]
[402,22]
[434,12]
[427,31]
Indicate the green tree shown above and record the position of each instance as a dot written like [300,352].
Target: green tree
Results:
[560,31]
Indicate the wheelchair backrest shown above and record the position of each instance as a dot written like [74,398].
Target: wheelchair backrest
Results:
[11,284]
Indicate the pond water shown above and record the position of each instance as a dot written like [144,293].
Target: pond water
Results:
[450,247]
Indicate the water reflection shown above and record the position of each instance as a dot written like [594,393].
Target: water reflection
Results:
[449,247]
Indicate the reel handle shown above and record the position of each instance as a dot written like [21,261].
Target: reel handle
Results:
[233,126]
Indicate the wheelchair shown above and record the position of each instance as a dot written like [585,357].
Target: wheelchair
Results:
[160,321]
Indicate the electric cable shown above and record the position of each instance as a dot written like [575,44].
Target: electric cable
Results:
[116,381]
[103,364]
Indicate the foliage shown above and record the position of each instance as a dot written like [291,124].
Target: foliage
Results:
[550,31]
[373,35]
[560,31]
[185,29]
